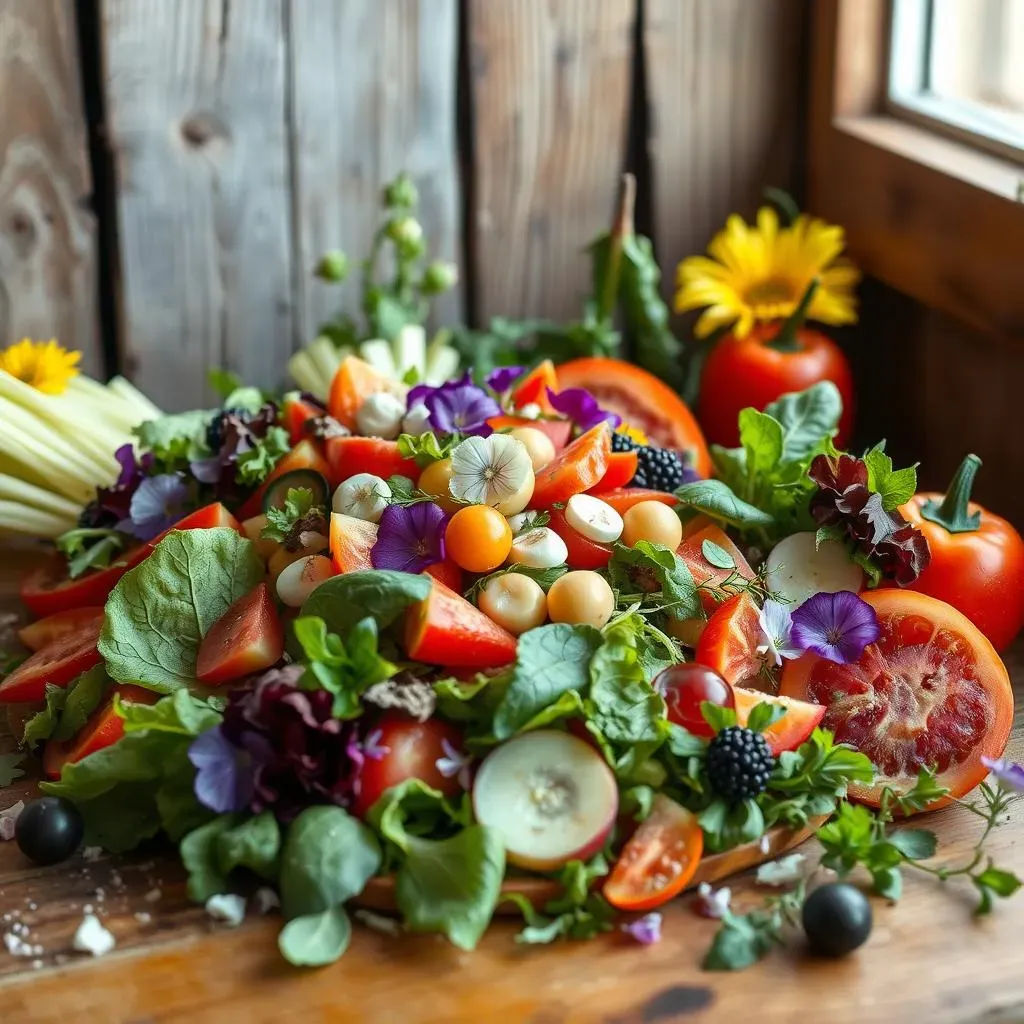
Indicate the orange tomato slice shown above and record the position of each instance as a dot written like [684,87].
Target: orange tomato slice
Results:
[533,388]
[351,542]
[575,469]
[354,381]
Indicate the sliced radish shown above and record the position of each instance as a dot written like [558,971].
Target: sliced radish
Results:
[593,518]
[798,568]
[552,797]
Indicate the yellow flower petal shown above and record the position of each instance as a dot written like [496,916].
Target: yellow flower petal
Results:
[43,365]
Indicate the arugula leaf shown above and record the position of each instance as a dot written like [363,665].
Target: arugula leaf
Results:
[90,548]
[159,612]
[9,768]
[716,499]
[382,594]
[315,940]
[425,449]
[806,417]
[550,661]
[298,502]
[896,487]
[253,466]
[652,569]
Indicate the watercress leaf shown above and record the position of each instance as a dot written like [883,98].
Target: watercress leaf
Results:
[887,882]
[9,768]
[83,698]
[717,556]
[806,417]
[925,791]
[991,882]
[914,843]
[328,858]
[315,940]
[658,572]
[254,844]
[764,715]
[636,802]
[382,594]
[198,852]
[761,437]
[159,612]
[716,716]
[712,819]
[716,499]
[550,661]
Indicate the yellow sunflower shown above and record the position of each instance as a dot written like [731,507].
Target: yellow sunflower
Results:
[760,273]
[43,365]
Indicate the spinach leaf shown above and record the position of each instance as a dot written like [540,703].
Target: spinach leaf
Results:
[806,418]
[659,575]
[895,486]
[716,499]
[328,858]
[315,940]
[381,594]
[198,852]
[254,844]
[159,612]
[550,661]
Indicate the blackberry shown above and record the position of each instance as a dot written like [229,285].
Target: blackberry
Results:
[739,763]
[623,443]
[658,469]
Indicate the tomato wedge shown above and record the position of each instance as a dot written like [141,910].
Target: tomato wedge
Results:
[305,455]
[624,498]
[660,858]
[446,629]
[48,589]
[729,641]
[584,553]
[350,455]
[247,638]
[297,412]
[792,729]
[533,388]
[931,692]
[575,469]
[37,635]
[354,382]
[351,542]
[448,573]
[57,663]
[558,430]
[621,469]
[710,578]
[209,517]
[643,401]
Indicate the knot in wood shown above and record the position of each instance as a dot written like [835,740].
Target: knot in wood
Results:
[202,128]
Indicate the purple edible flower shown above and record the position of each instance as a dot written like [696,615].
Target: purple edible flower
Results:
[835,626]
[158,503]
[454,764]
[419,392]
[646,930]
[581,407]
[776,626]
[1008,774]
[462,410]
[409,539]
[224,772]
[504,377]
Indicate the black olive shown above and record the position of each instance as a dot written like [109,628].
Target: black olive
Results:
[49,830]
[837,919]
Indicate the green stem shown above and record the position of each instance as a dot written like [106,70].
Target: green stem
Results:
[952,513]
[786,339]
[622,229]
[784,201]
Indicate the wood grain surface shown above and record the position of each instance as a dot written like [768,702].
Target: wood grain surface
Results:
[47,232]
[549,83]
[927,959]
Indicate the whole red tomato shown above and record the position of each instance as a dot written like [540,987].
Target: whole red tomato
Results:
[977,562]
[756,370]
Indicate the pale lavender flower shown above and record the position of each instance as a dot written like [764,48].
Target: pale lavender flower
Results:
[454,764]
[776,625]
[158,502]
[1008,774]
[224,772]
[646,930]
[835,626]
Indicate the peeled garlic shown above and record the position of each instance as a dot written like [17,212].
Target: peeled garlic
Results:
[539,548]
[593,518]
[298,580]
[494,471]
[363,496]
[381,415]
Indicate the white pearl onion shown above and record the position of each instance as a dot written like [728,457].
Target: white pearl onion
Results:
[539,548]
[298,580]
[363,496]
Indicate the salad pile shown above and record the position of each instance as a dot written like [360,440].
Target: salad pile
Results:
[437,640]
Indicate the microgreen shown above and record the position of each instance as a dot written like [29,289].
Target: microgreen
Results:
[299,504]
[252,467]
[427,448]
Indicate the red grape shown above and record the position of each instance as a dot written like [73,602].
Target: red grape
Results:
[685,688]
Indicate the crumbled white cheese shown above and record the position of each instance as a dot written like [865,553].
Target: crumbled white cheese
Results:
[227,907]
[264,900]
[92,937]
[9,819]
[153,896]
[92,852]
[16,945]
[142,917]
[713,903]
[783,871]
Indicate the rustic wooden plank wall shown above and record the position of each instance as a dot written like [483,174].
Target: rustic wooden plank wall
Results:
[47,234]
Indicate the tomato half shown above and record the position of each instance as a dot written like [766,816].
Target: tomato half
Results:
[297,412]
[792,729]
[575,469]
[247,638]
[715,583]
[57,663]
[36,635]
[584,553]
[643,401]
[660,858]
[410,750]
[48,589]
[931,692]
[448,573]
[729,641]
[624,498]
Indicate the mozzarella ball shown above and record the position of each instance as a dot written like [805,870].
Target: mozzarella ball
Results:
[581,598]
[654,522]
[514,601]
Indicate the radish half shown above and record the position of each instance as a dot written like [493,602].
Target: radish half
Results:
[798,568]
[551,795]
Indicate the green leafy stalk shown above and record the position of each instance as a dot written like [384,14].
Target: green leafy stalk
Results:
[785,340]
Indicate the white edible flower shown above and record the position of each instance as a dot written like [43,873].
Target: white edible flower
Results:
[776,625]
[227,907]
[783,871]
[417,420]
[490,470]
[363,496]
[92,937]
[381,415]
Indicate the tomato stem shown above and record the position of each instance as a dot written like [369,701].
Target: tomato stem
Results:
[785,340]
[952,513]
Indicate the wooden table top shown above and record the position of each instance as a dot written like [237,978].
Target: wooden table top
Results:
[927,959]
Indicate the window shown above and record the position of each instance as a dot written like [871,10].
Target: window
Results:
[958,65]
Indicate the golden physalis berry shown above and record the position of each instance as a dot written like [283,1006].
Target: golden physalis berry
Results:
[43,365]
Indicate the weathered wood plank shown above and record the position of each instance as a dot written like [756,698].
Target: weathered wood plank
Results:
[550,94]
[723,80]
[373,93]
[197,120]
[47,234]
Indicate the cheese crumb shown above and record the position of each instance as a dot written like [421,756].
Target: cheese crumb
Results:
[264,900]
[92,937]
[783,871]
[153,896]
[92,852]
[143,917]
[9,819]
[16,945]
[228,908]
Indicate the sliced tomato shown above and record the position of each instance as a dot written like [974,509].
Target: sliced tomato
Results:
[347,456]
[36,635]
[643,401]
[659,859]
[624,498]
[57,663]
[103,728]
[351,542]
[305,455]
[448,573]
[931,692]
[729,641]
[558,430]
[209,517]
[297,412]
[533,388]
[584,553]
[792,729]
[575,469]
[446,629]
[714,582]
[354,382]
[48,589]
[247,638]
[411,750]
[621,469]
